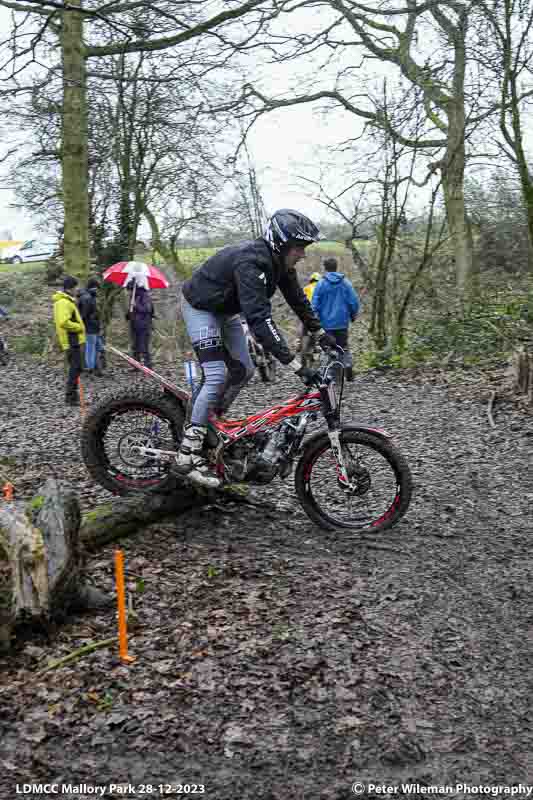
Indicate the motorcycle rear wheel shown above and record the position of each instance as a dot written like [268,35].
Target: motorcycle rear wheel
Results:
[122,419]
[381,483]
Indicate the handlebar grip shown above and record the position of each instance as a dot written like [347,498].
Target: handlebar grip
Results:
[334,352]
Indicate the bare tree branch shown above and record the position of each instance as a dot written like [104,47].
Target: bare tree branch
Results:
[152,45]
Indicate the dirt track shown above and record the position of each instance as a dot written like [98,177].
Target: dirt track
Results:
[275,660]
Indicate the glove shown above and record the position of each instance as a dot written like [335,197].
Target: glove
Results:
[326,340]
[309,376]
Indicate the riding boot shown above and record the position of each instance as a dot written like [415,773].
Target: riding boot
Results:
[189,461]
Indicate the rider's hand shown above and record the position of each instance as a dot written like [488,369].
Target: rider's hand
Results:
[326,340]
[309,376]
[306,374]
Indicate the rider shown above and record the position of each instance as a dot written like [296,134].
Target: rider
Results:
[241,279]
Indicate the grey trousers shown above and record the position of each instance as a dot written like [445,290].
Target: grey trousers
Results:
[220,344]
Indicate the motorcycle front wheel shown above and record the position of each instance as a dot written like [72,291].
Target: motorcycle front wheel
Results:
[380,483]
[121,422]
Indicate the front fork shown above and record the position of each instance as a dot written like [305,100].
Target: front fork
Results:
[342,472]
[331,413]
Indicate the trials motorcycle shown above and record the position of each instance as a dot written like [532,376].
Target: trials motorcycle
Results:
[347,476]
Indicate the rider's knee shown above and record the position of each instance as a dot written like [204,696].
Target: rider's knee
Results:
[214,374]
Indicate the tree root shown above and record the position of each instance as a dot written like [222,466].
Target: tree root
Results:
[88,648]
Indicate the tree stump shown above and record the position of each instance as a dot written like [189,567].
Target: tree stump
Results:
[41,560]
[523,372]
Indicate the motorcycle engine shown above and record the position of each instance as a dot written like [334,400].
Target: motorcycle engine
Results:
[268,454]
[243,462]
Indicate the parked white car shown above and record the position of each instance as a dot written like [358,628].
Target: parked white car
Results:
[7,253]
[31,250]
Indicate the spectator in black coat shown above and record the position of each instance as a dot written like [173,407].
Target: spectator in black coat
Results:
[140,316]
[88,306]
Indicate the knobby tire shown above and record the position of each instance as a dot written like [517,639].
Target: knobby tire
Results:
[117,405]
[390,513]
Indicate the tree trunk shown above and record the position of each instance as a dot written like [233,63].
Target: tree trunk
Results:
[516,141]
[359,261]
[126,233]
[169,254]
[453,168]
[523,373]
[526,182]
[74,145]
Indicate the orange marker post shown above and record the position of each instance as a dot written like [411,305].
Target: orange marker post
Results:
[8,490]
[121,602]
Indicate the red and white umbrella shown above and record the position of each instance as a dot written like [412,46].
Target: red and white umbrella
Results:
[145,275]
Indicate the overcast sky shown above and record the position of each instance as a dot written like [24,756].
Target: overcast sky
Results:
[282,144]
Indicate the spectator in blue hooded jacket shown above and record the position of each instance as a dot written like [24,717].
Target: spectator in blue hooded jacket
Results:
[336,304]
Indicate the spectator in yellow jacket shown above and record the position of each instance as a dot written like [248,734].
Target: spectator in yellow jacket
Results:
[71,335]
[311,286]
[308,289]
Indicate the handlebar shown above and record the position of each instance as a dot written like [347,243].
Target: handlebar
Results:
[335,356]
[334,352]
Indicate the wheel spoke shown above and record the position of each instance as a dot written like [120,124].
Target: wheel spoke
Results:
[137,428]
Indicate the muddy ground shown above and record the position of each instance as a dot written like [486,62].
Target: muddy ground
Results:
[277,660]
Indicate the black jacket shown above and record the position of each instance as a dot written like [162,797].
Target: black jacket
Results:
[242,278]
[89,311]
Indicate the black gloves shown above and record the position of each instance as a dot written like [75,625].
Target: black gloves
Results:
[326,341]
[311,377]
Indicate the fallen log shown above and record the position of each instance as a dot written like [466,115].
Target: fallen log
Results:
[126,515]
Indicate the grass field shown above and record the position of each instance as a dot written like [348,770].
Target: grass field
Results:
[330,247]
[31,266]
[190,256]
